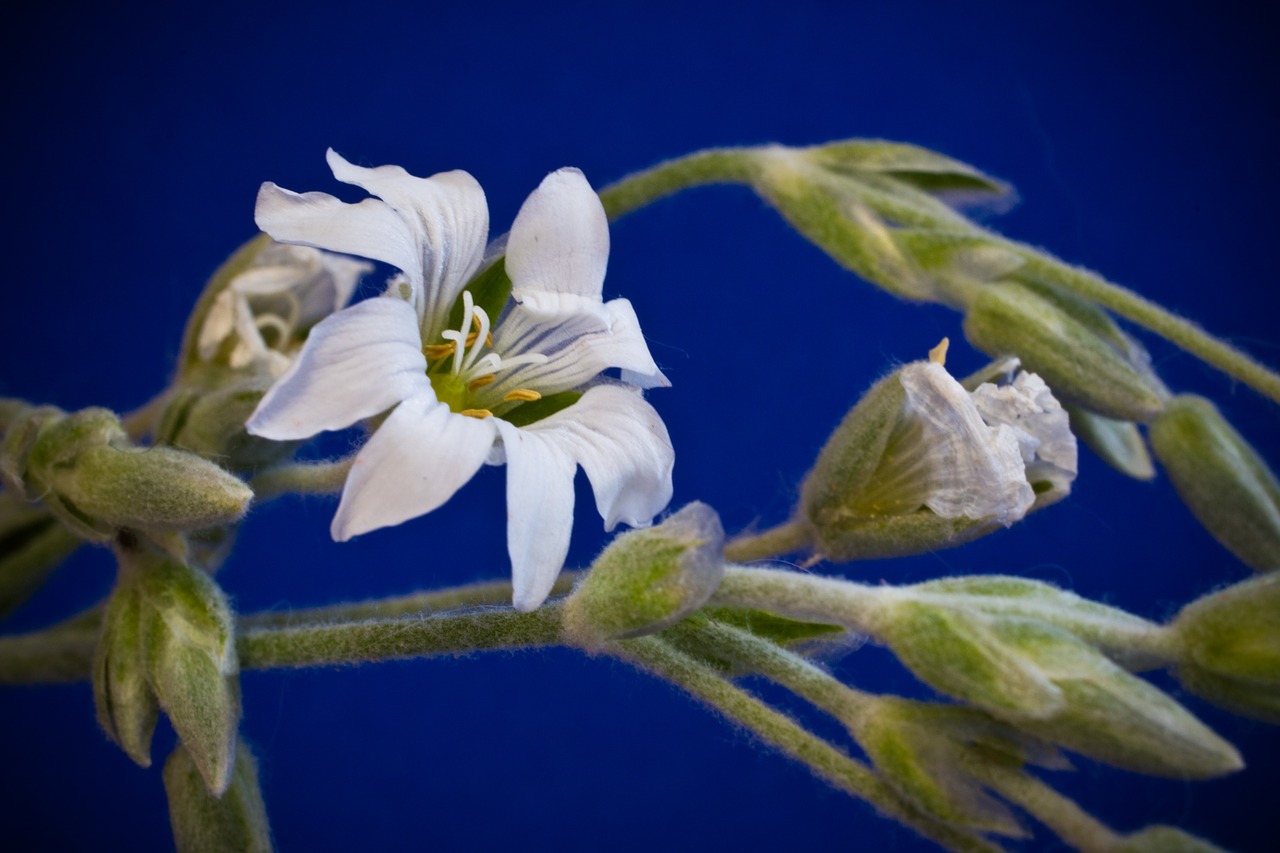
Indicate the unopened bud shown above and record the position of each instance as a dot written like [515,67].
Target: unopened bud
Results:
[1081,366]
[188,643]
[1050,684]
[127,707]
[922,750]
[1235,632]
[1221,479]
[647,580]
[211,422]
[235,822]
[1163,839]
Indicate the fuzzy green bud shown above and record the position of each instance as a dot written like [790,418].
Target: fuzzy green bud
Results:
[923,751]
[1050,684]
[1163,839]
[235,822]
[211,421]
[126,705]
[85,471]
[1081,366]
[188,649]
[647,580]
[1221,479]
[1235,632]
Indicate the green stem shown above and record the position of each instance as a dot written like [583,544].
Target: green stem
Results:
[1150,316]
[483,593]
[829,763]
[787,538]
[304,478]
[712,166]
[404,637]
[788,593]
[762,657]
[1061,815]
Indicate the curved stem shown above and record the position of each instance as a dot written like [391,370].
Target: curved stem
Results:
[303,478]
[1066,819]
[712,166]
[482,593]
[1147,314]
[800,596]
[824,760]
[785,538]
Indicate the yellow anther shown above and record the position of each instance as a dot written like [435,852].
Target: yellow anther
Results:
[434,352]
[481,381]
[480,414]
[524,395]
[938,355]
[471,338]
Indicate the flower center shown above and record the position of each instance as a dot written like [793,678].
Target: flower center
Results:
[462,368]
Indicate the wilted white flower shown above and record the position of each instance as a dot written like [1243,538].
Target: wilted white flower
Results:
[1042,427]
[522,388]
[263,314]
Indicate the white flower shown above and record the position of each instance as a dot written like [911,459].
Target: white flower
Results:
[523,388]
[261,317]
[980,455]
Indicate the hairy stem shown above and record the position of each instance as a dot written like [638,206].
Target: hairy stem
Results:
[838,769]
[712,166]
[786,538]
[304,478]
[1061,815]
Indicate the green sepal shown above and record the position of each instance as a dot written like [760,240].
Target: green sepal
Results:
[1235,632]
[1221,479]
[535,410]
[235,822]
[1163,839]
[188,642]
[122,695]
[920,167]
[1080,365]
[922,751]
[776,629]
[1246,698]
[490,290]
[1118,443]
[209,419]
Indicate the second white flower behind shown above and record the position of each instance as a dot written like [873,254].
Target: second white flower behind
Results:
[469,375]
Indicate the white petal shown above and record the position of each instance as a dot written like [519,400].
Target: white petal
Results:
[539,512]
[1040,423]
[449,217]
[370,229]
[966,468]
[578,348]
[356,363]
[559,244]
[623,445]
[416,460]
[219,322]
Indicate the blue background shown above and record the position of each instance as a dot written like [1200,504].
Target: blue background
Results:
[1141,138]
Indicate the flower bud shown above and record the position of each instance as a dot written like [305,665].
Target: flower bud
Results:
[211,421]
[1082,366]
[647,580]
[235,822]
[1052,685]
[1163,839]
[923,751]
[1235,632]
[126,706]
[189,652]
[1221,479]
[917,465]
